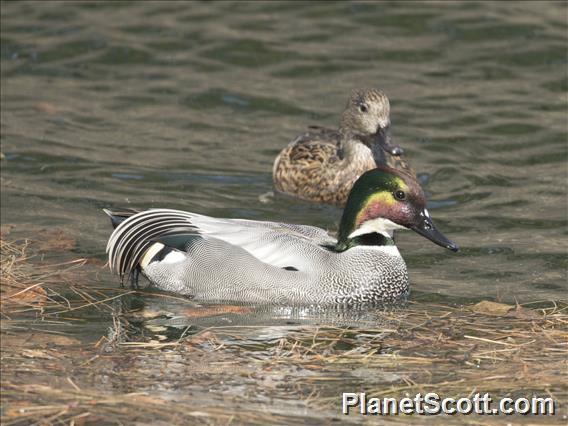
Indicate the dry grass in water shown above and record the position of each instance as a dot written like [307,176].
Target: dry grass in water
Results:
[451,351]
[54,375]
[30,285]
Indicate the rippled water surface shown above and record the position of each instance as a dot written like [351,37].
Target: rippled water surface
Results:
[186,105]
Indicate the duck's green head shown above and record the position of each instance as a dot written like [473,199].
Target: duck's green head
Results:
[381,201]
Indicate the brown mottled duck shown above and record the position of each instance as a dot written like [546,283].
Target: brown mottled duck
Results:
[322,164]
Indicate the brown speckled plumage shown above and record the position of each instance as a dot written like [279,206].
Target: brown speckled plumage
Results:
[322,165]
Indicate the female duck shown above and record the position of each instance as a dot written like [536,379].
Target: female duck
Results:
[267,262]
[323,164]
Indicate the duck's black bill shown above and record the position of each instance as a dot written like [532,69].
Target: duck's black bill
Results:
[380,143]
[426,228]
[384,138]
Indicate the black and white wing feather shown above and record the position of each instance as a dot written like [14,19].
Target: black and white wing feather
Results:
[277,244]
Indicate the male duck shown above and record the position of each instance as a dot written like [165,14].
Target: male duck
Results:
[266,262]
[323,164]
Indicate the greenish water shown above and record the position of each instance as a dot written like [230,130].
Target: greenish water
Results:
[186,105]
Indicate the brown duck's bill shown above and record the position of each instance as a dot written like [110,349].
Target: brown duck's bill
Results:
[426,228]
[387,142]
[383,139]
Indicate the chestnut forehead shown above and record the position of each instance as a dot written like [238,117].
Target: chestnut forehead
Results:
[412,189]
[417,195]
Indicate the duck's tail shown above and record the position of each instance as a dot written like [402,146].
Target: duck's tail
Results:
[119,216]
[137,232]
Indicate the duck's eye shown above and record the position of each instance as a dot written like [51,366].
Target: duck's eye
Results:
[363,108]
[399,195]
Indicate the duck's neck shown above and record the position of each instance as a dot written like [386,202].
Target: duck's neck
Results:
[372,239]
[353,150]
[371,233]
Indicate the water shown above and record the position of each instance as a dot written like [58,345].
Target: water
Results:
[186,105]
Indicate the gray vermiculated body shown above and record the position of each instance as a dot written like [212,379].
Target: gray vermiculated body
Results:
[216,270]
[249,261]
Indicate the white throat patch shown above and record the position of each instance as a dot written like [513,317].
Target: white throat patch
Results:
[380,226]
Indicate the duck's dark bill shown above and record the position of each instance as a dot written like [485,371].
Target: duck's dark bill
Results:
[426,228]
[384,138]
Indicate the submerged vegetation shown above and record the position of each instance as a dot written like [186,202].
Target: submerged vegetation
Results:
[77,351]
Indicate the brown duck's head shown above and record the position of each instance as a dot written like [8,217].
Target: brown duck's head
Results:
[367,113]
